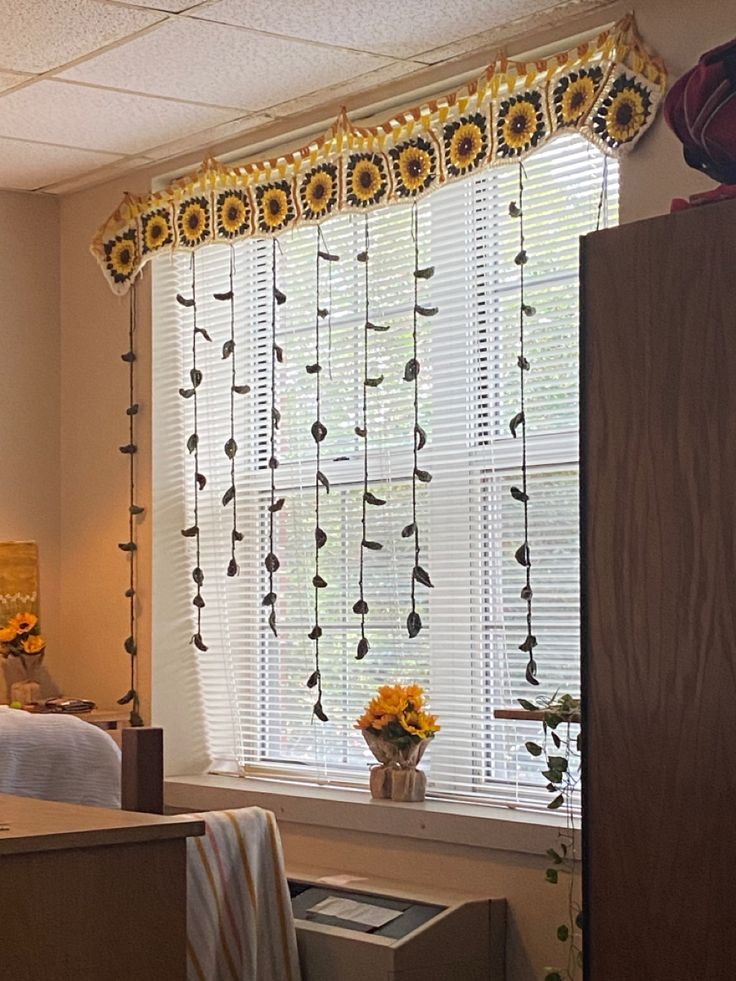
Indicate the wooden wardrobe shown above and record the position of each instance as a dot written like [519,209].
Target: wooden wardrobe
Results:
[658,504]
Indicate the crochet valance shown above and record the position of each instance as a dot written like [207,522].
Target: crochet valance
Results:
[606,88]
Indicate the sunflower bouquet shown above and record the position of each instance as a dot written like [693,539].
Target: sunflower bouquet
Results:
[20,636]
[398,728]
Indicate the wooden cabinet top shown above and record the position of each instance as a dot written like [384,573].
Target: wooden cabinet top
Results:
[29,825]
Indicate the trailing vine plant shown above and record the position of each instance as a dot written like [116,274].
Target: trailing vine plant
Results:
[519,421]
[411,375]
[271,561]
[130,449]
[319,431]
[369,498]
[199,479]
[562,773]
[231,447]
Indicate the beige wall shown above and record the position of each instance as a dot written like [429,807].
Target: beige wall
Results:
[30,447]
[90,490]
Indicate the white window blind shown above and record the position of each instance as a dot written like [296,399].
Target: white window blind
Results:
[250,685]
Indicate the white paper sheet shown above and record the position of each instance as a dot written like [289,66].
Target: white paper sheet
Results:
[348,909]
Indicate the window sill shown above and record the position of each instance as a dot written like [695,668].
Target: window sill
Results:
[473,825]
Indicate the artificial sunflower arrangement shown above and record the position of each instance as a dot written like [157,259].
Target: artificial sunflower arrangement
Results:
[21,635]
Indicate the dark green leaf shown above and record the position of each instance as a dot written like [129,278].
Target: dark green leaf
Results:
[371,498]
[323,480]
[374,382]
[552,976]
[320,712]
[201,480]
[273,463]
[533,748]
[129,357]
[272,623]
[275,417]
[521,258]
[132,410]
[379,328]
[277,505]
[522,363]
[411,370]
[554,856]
[127,697]
[529,706]
[224,296]
[529,644]
[279,296]
[228,496]
[424,475]
[362,257]
[193,442]
[373,546]
[320,537]
[563,933]
[360,432]
[421,437]
[129,593]
[519,495]
[413,623]
[196,376]
[314,369]
[184,301]
[127,546]
[198,575]
[551,876]
[408,531]
[136,509]
[269,599]
[271,562]
[363,648]
[514,210]
[237,536]
[129,448]
[279,352]
[579,742]
[203,332]
[190,532]
[421,575]
[318,582]
[526,593]
[130,646]
[228,348]
[323,312]
[319,431]
[313,679]
[232,568]
[315,633]
[186,393]
[241,389]
[554,776]
[579,920]
[557,763]
[556,740]
[231,448]
[522,555]
[426,273]
[517,421]
[328,256]
[527,310]
[135,719]
[199,602]
[361,607]
[531,672]
[425,311]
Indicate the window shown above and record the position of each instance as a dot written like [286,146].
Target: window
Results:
[251,685]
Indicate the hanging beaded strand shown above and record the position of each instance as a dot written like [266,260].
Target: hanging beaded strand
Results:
[277,357]
[130,449]
[411,374]
[523,552]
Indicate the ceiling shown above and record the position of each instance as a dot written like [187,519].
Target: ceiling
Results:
[93,88]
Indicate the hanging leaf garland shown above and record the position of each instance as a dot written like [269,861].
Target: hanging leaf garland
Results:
[411,375]
[321,482]
[231,447]
[200,481]
[519,423]
[271,561]
[130,449]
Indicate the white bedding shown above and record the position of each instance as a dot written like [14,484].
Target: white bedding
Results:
[57,757]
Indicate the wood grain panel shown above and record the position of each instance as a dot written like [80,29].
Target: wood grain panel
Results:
[658,455]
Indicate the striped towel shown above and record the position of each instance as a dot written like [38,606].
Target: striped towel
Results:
[240,925]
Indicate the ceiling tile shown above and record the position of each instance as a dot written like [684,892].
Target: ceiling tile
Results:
[8,80]
[26,166]
[400,29]
[37,36]
[171,6]
[221,65]
[98,119]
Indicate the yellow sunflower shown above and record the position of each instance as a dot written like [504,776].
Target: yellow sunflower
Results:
[577,99]
[626,115]
[415,167]
[8,634]
[193,222]
[466,144]
[318,191]
[365,180]
[157,232]
[274,207]
[519,124]
[34,644]
[231,213]
[121,257]
[23,623]
[420,724]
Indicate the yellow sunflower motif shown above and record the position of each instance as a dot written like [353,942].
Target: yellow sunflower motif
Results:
[318,191]
[577,99]
[232,215]
[626,115]
[415,166]
[465,144]
[519,125]
[157,231]
[121,257]
[274,203]
[366,181]
[193,222]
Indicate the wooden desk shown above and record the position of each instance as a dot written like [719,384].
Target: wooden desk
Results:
[88,894]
